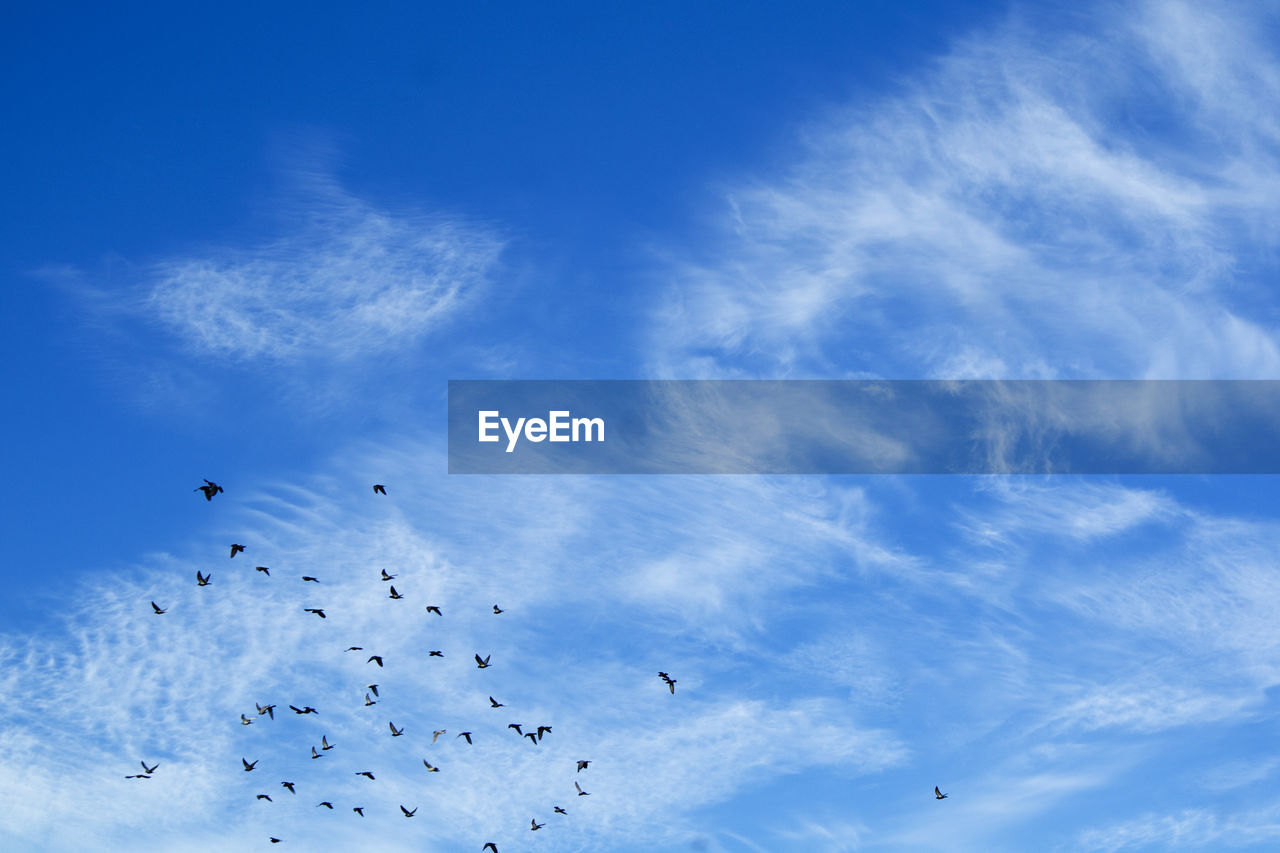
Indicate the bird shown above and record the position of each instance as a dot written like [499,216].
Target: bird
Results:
[671,682]
[408,813]
[324,742]
[466,735]
[582,765]
[138,776]
[380,489]
[535,825]
[328,805]
[269,710]
[395,594]
[236,548]
[938,794]
[369,700]
[394,731]
[309,578]
[374,688]
[532,737]
[265,797]
[315,754]
[158,609]
[581,793]
[435,654]
[307,710]
[359,810]
[497,609]
[245,721]
[365,773]
[436,734]
[202,580]
[319,611]
[263,569]
[288,785]
[387,577]
[431,608]
[494,703]
[146,769]
[209,488]
[375,659]
[559,810]
[274,840]
[515,726]
[481,664]
[429,767]
[543,730]
[355,648]
[247,765]
[489,845]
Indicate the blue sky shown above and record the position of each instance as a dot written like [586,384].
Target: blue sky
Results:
[255,246]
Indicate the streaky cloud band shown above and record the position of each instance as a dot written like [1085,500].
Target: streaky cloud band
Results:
[864,427]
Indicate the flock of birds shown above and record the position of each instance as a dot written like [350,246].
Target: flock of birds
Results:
[372,696]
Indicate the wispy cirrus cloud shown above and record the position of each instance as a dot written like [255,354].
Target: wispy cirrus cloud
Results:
[1087,205]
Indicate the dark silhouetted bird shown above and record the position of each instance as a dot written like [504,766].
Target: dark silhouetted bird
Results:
[368,700]
[355,648]
[319,611]
[938,794]
[497,609]
[328,805]
[582,765]
[138,776]
[482,663]
[146,769]
[466,735]
[581,793]
[535,825]
[395,594]
[209,488]
[515,726]
[431,608]
[247,765]
[324,742]
[236,548]
[559,810]
[263,569]
[315,754]
[494,703]
[408,813]
[429,767]
[274,840]
[375,659]
[157,608]
[202,580]
[533,738]
[671,682]
[387,577]
[288,785]
[265,797]
[379,488]
[435,654]
[365,773]
[543,730]
[374,688]
[269,710]
[245,721]
[394,731]
[309,578]
[359,810]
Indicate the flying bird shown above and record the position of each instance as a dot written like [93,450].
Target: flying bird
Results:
[328,805]
[146,769]
[315,754]
[515,726]
[543,730]
[324,742]
[265,797]
[559,810]
[274,840]
[494,703]
[365,773]
[319,611]
[581,793]
[359,810]
[466,735]
[395,594]
[263,569]
[209,488]
[435,654]
[394,731]
[288,785]
[489,846]
[309,578]
[297,710]
[482,664]
[387,577]
[533,738]
[157,608]
[369,700]
[138,776]
[671,682]
[437,734]
[429,767]
[431,608]
[408,813]
[374,688]
[355,648]
[375,659]
[202,580]
[236,548]
[497,609]
[582,765]
[245,721]
[938,794]
[380,489]
[269,710]
[535,824]
[247,765]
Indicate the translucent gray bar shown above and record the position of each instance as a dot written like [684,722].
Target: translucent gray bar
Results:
[865,427]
